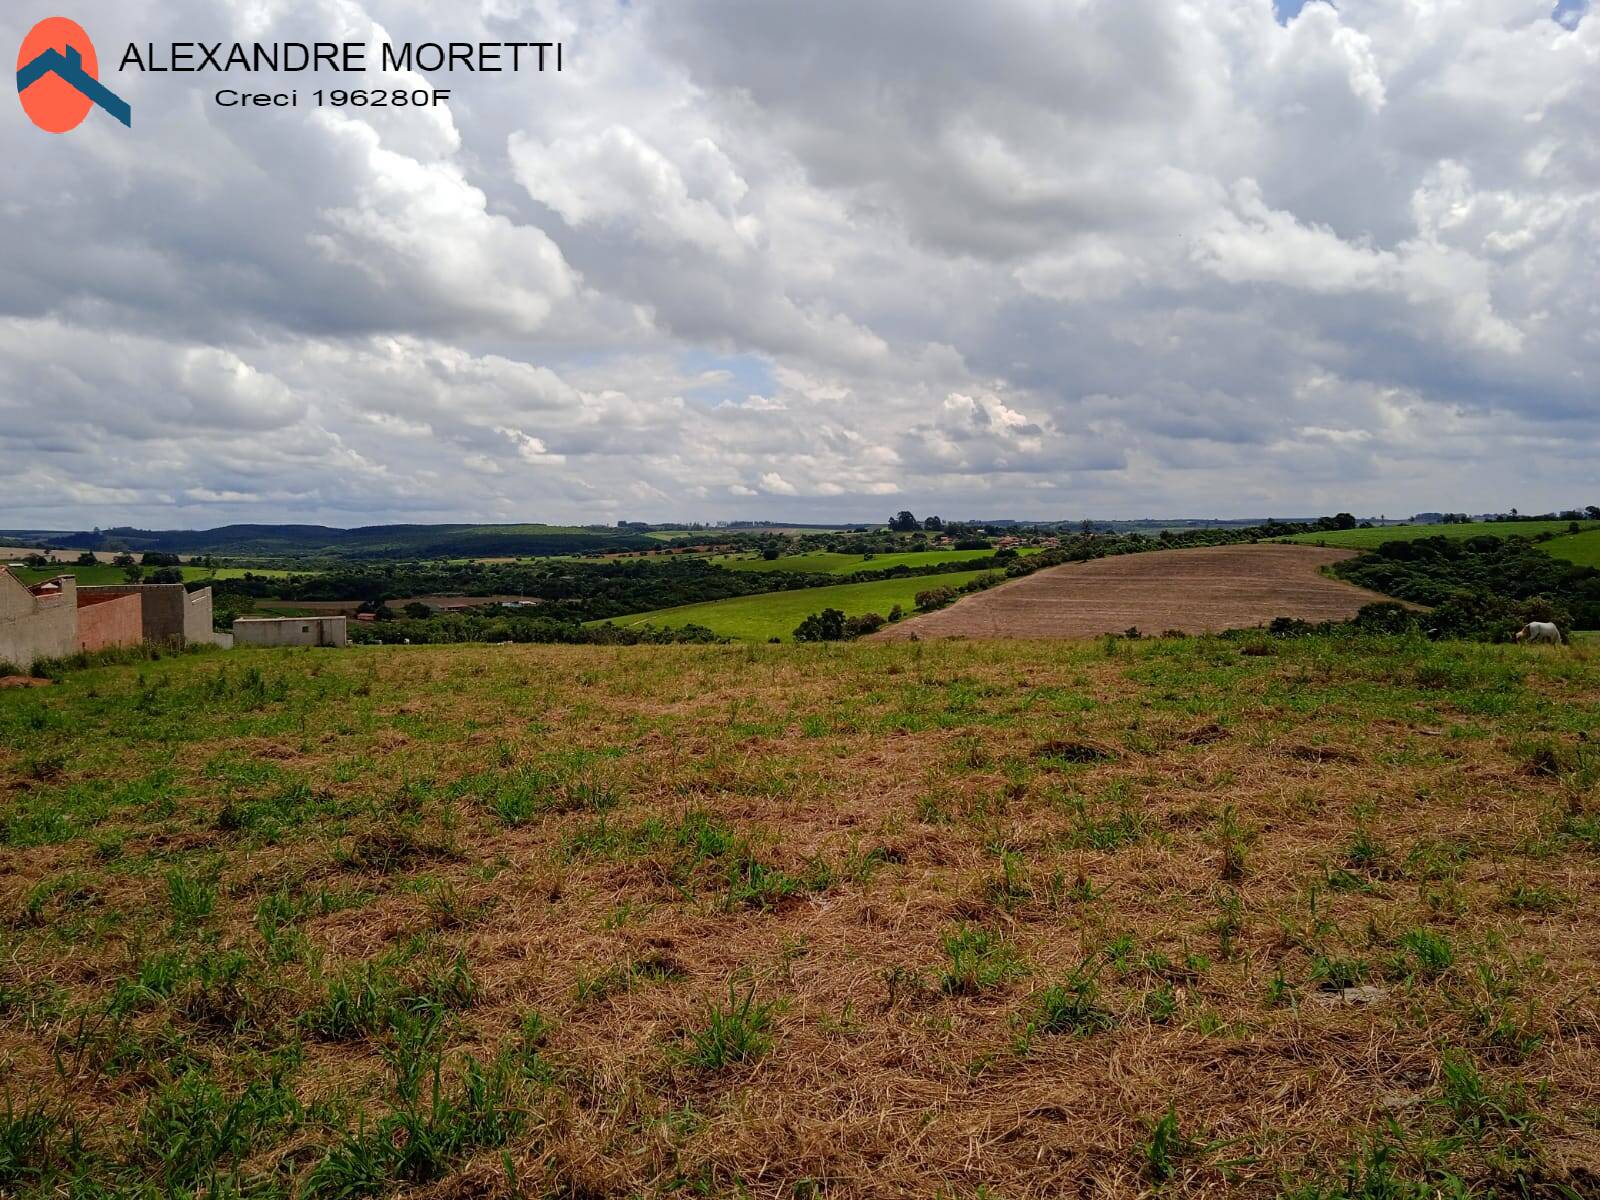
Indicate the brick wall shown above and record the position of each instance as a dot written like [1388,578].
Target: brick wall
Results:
[106,621]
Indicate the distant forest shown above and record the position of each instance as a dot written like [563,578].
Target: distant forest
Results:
[368,542]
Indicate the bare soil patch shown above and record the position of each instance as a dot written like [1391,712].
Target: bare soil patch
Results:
[1193,591]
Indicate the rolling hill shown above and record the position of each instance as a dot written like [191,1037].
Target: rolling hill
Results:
[371,541]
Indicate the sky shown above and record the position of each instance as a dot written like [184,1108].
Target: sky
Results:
[743,260]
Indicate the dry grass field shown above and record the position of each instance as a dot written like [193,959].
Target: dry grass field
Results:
[1181,917]
[1202,590]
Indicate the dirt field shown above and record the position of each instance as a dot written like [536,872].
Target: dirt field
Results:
[1195,591]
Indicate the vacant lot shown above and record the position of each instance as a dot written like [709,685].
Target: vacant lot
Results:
[1367,539]
[1193,591]
[1001,919]
[775,614]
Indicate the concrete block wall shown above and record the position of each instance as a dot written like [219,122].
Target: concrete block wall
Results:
[290,631]
[37,622]
[197,618]
[106,621]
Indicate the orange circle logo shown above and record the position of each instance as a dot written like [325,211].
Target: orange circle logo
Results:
[58,77]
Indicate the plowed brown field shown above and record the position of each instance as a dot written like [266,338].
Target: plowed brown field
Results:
[1194,591]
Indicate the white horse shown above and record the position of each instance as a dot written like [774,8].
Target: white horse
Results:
[1537,633]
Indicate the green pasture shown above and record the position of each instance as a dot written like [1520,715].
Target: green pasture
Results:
[1371,539]
[1581,548]
[775,614]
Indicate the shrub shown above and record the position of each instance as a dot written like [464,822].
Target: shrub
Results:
[825,626]
[866,623]
[935,598]
[1386,616]
[983,582]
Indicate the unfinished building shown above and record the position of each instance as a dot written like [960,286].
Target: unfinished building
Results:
[170,614]
[39,621]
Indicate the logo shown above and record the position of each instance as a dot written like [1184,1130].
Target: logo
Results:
[58,78]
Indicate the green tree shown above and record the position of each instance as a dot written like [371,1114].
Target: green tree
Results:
[903,521]
[825,626]
[225,609]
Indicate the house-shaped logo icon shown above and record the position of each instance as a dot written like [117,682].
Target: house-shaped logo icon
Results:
[58,78]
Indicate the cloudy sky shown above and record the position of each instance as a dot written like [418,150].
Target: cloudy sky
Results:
[811,261]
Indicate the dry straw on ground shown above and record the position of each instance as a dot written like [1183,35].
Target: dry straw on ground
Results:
[1010,920]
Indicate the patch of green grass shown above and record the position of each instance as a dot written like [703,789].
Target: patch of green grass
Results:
[440,1118]
[1071,1006]
[1522,896]
[1385,1170]
[193,1135]
[518,795]
[190,898]
[367,998]
[980,960]
[1335,974]
[1108,825]
[37,1143]
[751,883]
[1477,1104]
[1166,1148]
[1423,953]
[734,1031]
[625,976]
[1160,1003]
